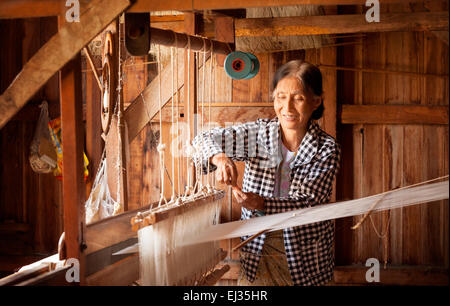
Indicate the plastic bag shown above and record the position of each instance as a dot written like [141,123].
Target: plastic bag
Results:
[100,204]
[42,153]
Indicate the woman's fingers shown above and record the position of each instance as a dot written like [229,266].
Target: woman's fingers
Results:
[226,172]
[239,194]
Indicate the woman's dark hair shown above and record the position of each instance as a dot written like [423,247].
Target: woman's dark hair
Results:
[308,74]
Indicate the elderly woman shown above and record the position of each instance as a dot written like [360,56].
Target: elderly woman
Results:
[290,163]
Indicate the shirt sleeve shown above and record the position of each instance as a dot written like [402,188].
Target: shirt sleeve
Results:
[234,141]
[315,189]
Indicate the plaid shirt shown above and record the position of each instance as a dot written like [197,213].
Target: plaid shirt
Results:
[309,248]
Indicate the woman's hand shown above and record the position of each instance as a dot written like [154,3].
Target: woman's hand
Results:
[248,200]
[226,172]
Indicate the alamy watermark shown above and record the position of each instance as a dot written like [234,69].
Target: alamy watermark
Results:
[373,273]
[373,13]
[73,273]
[73,11]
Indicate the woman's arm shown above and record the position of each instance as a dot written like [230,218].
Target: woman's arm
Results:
[234,142]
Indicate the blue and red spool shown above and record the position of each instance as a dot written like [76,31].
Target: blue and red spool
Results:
[241,65]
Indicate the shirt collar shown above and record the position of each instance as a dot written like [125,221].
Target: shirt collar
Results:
[308,147]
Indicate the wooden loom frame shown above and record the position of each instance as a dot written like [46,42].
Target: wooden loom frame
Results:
[78,235]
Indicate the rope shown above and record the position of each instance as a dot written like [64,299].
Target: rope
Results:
[161,146]
[173,98]
[189,149]
[178,120]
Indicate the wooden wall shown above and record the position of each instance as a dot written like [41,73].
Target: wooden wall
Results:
[381,157]
[30,203]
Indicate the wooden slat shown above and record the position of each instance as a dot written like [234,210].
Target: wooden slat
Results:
[222,114]
[56,277]
[110,231]
[394,114]
[72,133]
[402,275]
[27,9]
[356,275]
[224,31]
[340,24]
[121,273]
[19,277]
[63,46]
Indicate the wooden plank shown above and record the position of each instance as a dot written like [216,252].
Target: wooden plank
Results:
[110,231]
[394,114]
[224,31]
[27,9]
[16,278]
[121,273]
[413,225]
[393,275]
[56,277]
[63,46]
[356,275]
[340,24]
[73,164]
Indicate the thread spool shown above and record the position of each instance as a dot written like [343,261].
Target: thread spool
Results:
[241,65]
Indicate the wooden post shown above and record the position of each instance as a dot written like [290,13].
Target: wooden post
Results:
[73,167]
[224,32]
[94,142]
[190,76]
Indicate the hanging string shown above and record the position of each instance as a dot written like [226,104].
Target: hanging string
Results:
[198,173]
[118,111]
[178,118]
[172,120]
[187,103]
[146,105]
[211,59]
[161,146]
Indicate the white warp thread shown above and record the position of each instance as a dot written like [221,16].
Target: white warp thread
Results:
[387,200]
[163,259]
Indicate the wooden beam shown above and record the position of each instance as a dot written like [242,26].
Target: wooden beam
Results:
[340,24]
[62,47]
[44,8]
[224,31]
[190,75]
[121,273]
[72,132]
[400,275]
[28,9]
[394,114]
[223,112]
[111,231]
[161,5]
[167,38]
[356,275]
[383,71]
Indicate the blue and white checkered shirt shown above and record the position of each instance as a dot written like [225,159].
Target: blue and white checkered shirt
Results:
[309,248]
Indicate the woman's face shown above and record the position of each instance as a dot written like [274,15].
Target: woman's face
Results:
[293,104]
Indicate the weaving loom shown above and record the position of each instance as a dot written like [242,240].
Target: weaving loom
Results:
[162,229]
